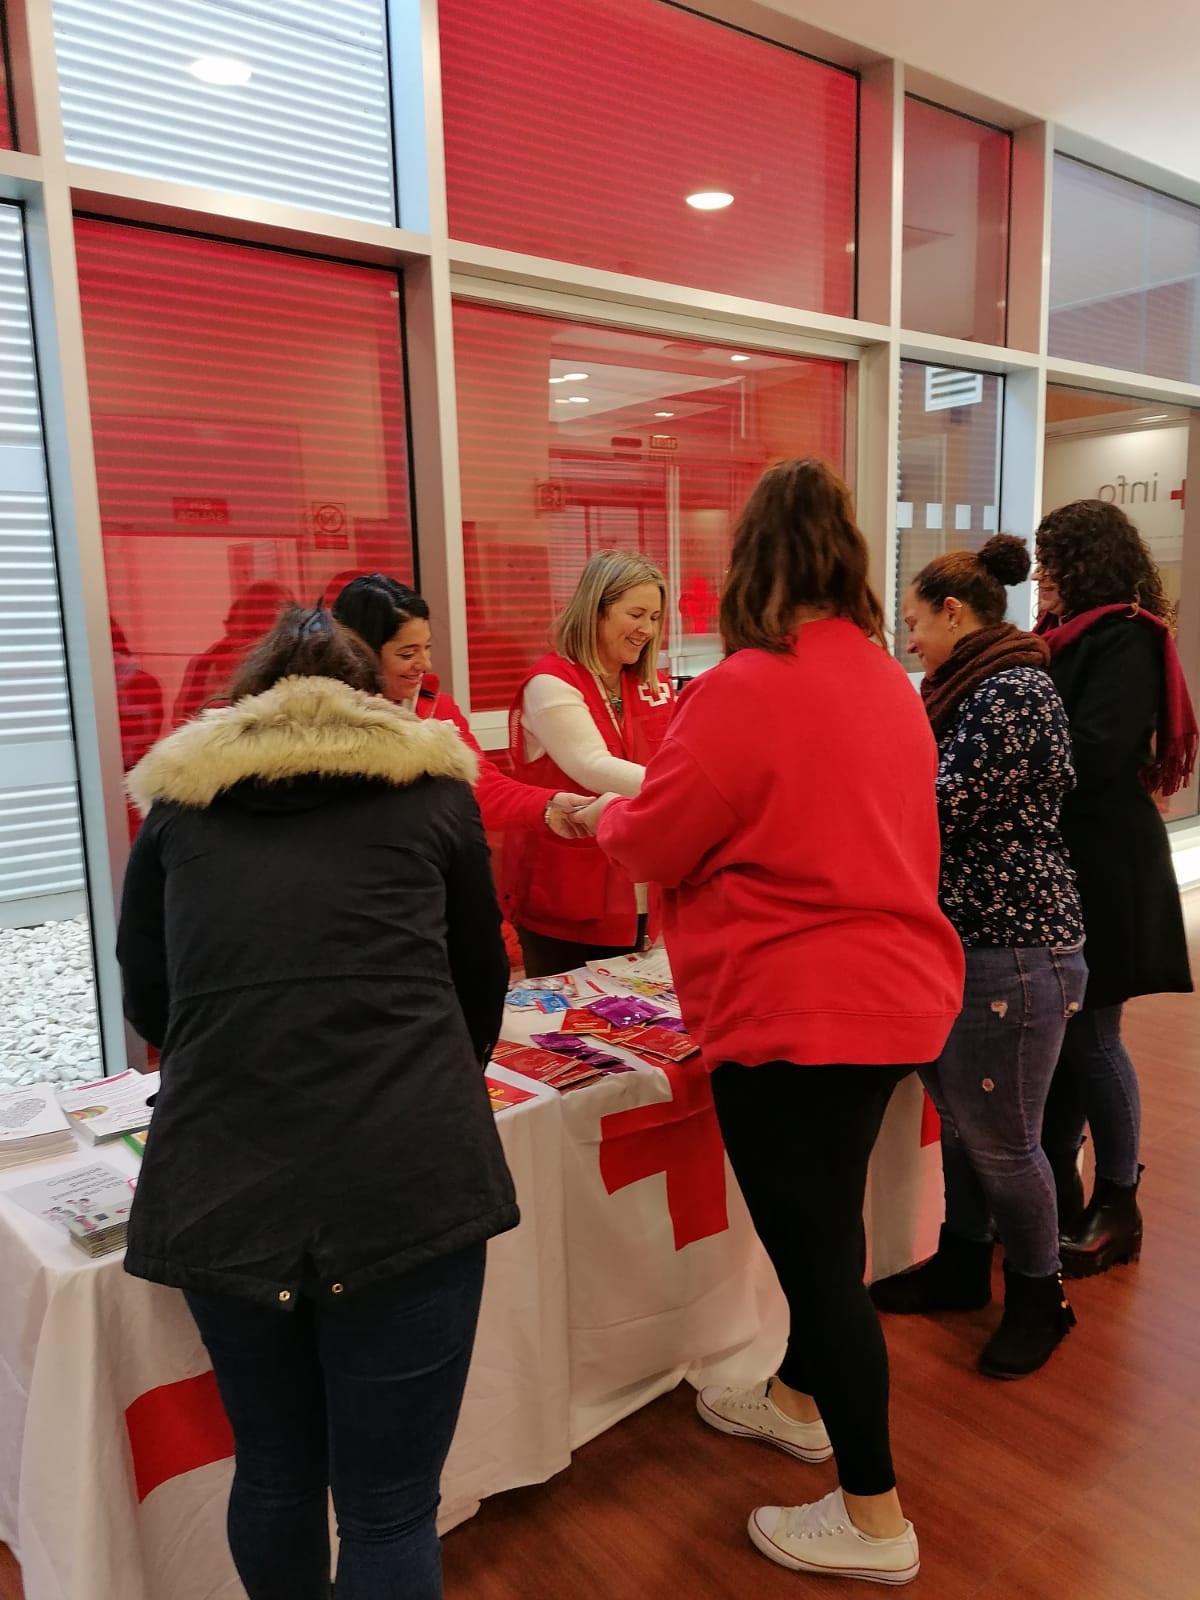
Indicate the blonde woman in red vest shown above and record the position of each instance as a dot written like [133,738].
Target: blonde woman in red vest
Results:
[588,717]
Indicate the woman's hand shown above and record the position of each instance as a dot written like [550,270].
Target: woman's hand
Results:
[563,812]
[588,818]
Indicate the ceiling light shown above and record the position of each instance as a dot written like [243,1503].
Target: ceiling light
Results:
[579,400]
[558,380]
[226,72]
[562,401]
[709,200]
[739,358]
[575,377]
[664,413]
[1159,416]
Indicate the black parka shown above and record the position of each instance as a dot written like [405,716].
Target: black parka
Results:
[310,934]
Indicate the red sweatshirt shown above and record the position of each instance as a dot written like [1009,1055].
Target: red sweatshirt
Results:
[503,802]
[791,816]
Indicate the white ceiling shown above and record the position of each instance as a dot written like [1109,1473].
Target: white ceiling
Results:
[1125,75]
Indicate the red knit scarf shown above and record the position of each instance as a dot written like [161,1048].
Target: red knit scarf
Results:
[975,658]
[1178,737]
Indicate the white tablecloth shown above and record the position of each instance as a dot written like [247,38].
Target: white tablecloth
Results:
[597,1303]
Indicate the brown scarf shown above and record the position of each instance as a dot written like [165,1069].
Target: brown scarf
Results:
[973,660]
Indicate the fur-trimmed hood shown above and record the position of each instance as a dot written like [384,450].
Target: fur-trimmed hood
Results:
[302,727]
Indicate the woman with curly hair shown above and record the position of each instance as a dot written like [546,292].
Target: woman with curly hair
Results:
[1107,621]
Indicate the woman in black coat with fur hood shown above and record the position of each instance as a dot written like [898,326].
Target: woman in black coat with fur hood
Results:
[311,937]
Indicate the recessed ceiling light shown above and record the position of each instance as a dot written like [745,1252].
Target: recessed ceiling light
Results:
[558,380]
[575,377]
[226,72]
[739,358]
[664,413]
[709,200]
[579,400]
[562,401]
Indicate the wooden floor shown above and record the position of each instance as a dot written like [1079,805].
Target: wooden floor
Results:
[1080,1483]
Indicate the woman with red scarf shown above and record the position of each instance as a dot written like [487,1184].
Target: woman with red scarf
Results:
[1108,622]
[588,716]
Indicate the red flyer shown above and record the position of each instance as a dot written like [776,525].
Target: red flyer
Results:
[503,1095]
[661,1042]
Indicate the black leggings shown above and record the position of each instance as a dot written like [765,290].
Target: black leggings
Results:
[799,1140]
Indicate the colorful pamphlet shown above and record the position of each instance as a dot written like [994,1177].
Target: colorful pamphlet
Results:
[137,1141]
[664,1043]
[91,1203]
[111,1107]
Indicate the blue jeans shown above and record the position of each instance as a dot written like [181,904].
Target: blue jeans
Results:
[1096,1084]
[360,1394]
[990,1085]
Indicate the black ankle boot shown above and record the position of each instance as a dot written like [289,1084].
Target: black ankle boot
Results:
[1037,1318]
[957,1278]
[1108,1234]
[1068,1190]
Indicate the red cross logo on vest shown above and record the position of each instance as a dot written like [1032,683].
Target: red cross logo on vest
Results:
[678,1137]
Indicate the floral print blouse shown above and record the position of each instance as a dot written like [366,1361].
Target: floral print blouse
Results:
[1005,766]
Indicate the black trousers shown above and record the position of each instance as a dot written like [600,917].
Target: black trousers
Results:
[546,957]
[799,1140]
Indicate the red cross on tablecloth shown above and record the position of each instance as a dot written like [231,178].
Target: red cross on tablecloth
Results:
[678,1137]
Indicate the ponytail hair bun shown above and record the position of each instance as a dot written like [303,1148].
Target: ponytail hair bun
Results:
[1005,558]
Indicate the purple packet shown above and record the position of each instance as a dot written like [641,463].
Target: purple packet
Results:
[624,1011]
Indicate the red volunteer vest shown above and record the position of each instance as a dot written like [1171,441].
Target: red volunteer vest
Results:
[567,888]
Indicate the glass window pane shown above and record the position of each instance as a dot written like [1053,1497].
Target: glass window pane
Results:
[249,420]
[956,180]
[48,1025]
[577,129]
[286,102]
[576,438]
[1124,271]
[949,488]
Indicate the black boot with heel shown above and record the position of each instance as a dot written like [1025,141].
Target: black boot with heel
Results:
[1108,1234]
[1037,1318]
[957,1278]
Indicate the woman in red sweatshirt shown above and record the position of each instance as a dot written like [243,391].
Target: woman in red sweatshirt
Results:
[790,816]
[393,620]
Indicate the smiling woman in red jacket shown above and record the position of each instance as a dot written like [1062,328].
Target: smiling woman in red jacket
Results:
[790,816]
[393,620]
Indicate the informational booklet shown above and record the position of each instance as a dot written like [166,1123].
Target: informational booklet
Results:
[502,1095]
[137,1142]
[32,1125]
[91,1203]
[111,1107]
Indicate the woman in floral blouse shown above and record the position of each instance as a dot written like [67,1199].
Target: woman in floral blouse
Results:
[1005,766]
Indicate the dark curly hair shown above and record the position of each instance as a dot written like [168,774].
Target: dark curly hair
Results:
[1096,557]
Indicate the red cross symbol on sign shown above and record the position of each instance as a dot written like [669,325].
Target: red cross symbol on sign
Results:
[1180,494]
[680,1138]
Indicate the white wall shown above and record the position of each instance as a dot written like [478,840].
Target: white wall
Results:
[1137,468]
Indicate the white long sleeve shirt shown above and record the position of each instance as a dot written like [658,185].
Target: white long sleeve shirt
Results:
[557,722]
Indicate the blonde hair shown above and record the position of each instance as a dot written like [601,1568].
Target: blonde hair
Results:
[608,575]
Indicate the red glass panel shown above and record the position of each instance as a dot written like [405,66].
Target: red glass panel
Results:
[576,129]
[248,409]
[653,445]
[7,140]
[949,468]
[956,183]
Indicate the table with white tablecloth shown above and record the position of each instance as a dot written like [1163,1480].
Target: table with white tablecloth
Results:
[634,1267]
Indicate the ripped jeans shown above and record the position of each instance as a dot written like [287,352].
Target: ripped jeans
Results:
[990,1085]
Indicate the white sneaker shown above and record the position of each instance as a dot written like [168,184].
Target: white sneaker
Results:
[821,1538]
[752,1414]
